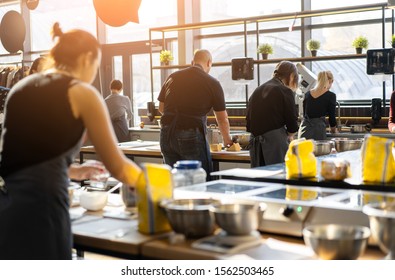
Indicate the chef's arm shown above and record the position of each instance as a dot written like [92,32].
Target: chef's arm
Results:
[161,107]
[224,127]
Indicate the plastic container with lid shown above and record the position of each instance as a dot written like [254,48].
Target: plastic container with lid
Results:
[188,172]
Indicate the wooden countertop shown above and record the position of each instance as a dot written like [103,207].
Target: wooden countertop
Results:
[152,149]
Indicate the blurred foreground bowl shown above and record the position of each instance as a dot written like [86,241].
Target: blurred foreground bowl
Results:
[337,242]
[382,225]
[190,217]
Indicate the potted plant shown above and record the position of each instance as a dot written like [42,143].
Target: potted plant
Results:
[265,50]
[313,45]
[392,41]
[165,57]
[359,43]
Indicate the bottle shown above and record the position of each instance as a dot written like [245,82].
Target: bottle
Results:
[187,173]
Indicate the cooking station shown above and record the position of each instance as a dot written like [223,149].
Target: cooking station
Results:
[291,208]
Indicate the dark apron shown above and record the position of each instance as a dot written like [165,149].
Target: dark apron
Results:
[36,222]
[121,129]
[313,128]
[269,148]
[172,126]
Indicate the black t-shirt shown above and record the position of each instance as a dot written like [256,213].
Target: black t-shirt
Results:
[191,93]
[271,106]
[324,105]
[39,124]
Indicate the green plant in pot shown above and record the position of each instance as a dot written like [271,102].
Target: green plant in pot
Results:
[165,57]
[313,46]
[392,41]
[265,50]
[359,43]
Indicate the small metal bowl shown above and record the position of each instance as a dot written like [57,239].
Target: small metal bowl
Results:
[238,218]
[190,217]
[337,242]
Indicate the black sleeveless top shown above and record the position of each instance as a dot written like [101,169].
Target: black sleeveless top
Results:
[39,124]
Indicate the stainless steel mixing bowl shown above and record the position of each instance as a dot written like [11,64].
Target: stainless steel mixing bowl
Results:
[382,225]
[190,217]
[323,147]
[347,144]
[336,242]
[238,218]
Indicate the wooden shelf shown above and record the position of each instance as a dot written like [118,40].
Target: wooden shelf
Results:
[277,60]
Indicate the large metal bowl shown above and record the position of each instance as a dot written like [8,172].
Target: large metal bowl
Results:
[336,242]
[382,225]
[238,218]
[190,217]
[323,147]
[347,144]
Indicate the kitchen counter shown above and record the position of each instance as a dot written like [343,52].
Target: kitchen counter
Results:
[112,232]
[151,149]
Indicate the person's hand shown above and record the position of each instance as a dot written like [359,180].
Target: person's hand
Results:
[393,129]
[87,170]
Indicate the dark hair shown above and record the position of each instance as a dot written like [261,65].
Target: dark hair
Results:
[35,64]
[116,84]
[70,46]
[285,70]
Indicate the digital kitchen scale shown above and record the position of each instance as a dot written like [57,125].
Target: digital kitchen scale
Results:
[228,244]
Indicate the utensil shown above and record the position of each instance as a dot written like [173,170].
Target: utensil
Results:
[190,217]
[336,242]
[239,218]
[347,144]
[117,186]
[382,225]
[323,147]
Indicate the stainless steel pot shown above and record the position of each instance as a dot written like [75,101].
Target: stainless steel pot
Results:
[347,144]
[323,147]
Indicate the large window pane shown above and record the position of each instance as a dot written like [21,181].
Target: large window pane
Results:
[226,9]
[319,4]
[70,14]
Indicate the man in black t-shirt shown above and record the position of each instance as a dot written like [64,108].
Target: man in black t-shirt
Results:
[186,98]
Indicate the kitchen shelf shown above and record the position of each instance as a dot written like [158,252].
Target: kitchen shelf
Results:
[276,60]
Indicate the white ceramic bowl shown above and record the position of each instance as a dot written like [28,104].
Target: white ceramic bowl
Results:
[93,201]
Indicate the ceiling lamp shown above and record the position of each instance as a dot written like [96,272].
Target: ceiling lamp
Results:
[117,12]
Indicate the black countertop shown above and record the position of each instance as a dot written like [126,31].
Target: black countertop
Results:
[354,182]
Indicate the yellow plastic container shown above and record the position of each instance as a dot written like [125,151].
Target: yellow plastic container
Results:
[378,163]
[155,183]
[300,161]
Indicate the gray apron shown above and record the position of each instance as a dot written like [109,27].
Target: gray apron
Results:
[121,129]
[269,148]
[36,222]
[313,128]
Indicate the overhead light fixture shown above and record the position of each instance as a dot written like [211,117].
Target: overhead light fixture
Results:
[391,4]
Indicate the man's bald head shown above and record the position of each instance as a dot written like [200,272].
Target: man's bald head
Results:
[203,58]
